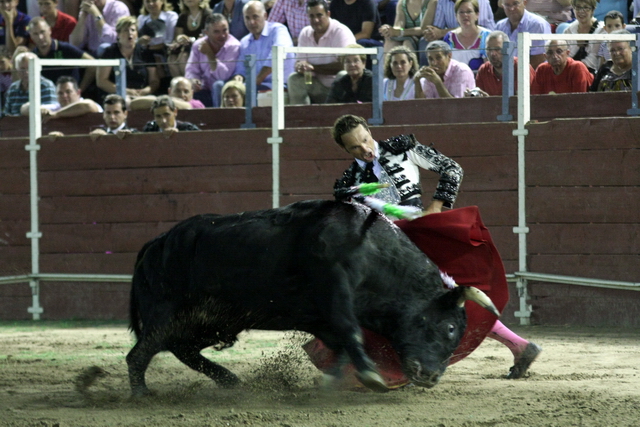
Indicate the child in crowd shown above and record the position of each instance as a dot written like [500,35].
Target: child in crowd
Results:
[612,21]
[5,70]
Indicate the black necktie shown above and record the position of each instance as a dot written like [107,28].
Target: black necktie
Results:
[368,176]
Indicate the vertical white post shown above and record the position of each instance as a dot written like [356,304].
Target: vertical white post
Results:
[524,115]
[277,119]
[35,131]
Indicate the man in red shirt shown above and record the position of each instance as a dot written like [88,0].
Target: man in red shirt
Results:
[489,77]
[560,74]
[61,24]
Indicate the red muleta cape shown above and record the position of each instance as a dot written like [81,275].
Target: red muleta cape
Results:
[460,245]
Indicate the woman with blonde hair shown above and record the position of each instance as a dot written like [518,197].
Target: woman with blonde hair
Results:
[156,23]
[142,77]
[233,94]
[400,65]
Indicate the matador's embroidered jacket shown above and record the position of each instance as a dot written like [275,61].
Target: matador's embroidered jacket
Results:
[399,158]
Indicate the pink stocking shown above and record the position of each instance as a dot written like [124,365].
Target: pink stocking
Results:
[507,337]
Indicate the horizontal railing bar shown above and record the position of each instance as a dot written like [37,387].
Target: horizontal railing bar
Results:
[581,281]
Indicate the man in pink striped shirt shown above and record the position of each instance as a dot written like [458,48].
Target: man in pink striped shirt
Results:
[293,13]
[444,77]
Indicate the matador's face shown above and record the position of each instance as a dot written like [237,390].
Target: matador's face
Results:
[360,144]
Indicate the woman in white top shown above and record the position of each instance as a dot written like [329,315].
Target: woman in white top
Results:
[400,66]
[585,23]
[469,39]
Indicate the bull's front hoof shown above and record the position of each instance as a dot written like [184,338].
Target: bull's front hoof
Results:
[140,392]
[373,381]
[229,380]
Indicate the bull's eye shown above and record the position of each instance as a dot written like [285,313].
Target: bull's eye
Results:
[451,329]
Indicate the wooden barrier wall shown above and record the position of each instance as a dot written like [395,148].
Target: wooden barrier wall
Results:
[100,201]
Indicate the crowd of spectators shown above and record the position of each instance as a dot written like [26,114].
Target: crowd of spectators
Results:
[193,56]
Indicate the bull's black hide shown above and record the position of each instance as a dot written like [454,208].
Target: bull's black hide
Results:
[318,266]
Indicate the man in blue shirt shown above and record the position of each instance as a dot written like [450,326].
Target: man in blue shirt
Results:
[18,93]
[519,20]
[262,36]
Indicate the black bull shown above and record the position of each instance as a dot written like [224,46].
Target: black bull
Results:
[323,267]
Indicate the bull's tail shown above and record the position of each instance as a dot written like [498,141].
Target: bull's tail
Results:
[137,284]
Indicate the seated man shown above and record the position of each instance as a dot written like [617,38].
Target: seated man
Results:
[444,77]
[69,104]
[489,77]
[115,118]
[292,13]
[97,24]
[18,93]
[560,74]
[361,17]
[520,20]
[314,74]
[61,23]
[263,35]
[211,61]
[50,48]
[180,91]
[165,112]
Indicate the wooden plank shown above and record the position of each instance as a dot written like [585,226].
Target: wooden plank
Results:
[584,134]
[583,204]
[14,181]
[153,150]
[584,238]
[14,207]
[589,104]
[15,299]
[583,167]
[147,208]
[65,300]
[99,238]
[13,153]
[161,180]
[496,207]
[87,263]
[620,267]
[15,260]
[559,304]
[13,233]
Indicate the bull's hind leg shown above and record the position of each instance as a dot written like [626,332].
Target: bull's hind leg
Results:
[191,357]
[138,360]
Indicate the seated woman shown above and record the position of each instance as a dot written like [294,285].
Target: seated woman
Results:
[233,94]
[615,75]
[400,66]
[585,23]
[141,74]
[356,84]
[406,30]
[468,41]
[193,15]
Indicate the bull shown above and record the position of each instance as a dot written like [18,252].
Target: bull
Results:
[324,267]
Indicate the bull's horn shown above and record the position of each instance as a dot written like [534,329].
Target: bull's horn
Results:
[474,294]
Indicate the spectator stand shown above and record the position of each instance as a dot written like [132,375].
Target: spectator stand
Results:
[524,116]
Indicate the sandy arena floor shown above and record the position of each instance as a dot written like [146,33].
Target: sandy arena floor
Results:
[584,377]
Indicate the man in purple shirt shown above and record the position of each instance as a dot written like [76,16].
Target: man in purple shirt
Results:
[212,59]
[97,24]
[262,36]
[444,77]
[519,20]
